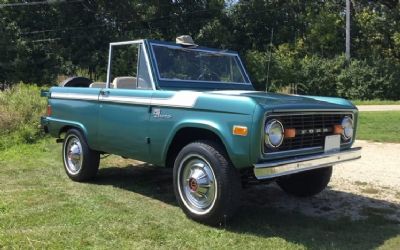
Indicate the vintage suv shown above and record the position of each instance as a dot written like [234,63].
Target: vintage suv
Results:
[194,109]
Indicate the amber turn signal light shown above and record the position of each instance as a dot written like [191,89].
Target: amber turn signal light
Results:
[239,130]
[290,132]
[337,129]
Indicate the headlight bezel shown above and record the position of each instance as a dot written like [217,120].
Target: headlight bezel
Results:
[269,126]
[347,120]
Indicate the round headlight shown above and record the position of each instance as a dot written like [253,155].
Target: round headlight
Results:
[273,133]
[347,124]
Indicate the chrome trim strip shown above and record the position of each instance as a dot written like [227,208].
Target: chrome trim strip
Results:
[299,164]
[74,96]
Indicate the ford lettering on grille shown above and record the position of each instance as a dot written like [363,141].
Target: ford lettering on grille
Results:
[313,131]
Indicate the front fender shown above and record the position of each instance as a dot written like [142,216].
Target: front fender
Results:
[237,147]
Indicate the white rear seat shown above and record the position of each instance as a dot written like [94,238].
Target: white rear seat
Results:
[97,85]
[124,82]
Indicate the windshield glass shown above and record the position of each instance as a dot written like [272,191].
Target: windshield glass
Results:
[181,64]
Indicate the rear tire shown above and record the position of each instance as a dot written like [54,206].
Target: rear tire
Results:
[307,183]
[80,162]
[206,184]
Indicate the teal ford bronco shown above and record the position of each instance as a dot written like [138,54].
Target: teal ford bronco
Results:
[194,109]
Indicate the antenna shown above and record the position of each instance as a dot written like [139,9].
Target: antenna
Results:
[269,58]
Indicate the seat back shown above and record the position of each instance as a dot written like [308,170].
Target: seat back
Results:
[124,82]
[100,85]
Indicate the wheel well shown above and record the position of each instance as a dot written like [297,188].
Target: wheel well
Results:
[185,136]
[64,130]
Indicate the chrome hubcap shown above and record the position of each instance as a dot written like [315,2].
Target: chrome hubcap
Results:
[73,155]
[197,184]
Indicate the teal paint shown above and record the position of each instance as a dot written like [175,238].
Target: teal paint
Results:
[123,121]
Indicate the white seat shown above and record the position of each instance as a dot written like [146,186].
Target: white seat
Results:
[100,85]
[124,82]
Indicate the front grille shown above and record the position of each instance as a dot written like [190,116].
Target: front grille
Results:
[311,129]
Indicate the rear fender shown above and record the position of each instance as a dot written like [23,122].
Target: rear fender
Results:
[59,126]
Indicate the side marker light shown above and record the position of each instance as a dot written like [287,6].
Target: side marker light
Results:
[239,130]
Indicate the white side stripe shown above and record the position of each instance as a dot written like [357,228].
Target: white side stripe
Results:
[75,96]
[180,99]
[126,99]
[184,99]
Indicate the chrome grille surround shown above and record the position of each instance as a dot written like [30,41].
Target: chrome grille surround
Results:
[311,129]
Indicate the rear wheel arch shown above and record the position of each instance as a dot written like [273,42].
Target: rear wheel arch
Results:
[63,130]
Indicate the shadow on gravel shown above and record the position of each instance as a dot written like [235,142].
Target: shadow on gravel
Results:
[332,219]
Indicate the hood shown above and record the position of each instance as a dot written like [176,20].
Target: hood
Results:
[274,101]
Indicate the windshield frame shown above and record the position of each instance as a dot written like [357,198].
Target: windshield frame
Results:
[167,82]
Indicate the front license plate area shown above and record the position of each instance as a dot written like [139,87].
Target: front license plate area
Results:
[332,143]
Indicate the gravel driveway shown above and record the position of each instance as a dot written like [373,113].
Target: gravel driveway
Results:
[357,190]
[378,107]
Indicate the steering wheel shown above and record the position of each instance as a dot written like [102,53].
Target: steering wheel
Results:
[208,75]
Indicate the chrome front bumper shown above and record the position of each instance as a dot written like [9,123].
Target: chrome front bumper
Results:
[273,169]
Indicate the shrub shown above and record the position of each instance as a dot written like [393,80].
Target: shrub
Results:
[370,79]
[360,81]
[319,75]
[20,110]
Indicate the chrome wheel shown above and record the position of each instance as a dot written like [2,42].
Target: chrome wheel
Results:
[197,184]
[73,154]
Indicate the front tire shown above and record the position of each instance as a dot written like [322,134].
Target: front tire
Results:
[80,162]
[206,184]
[307,183]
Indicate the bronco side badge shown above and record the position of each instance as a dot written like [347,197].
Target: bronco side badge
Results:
[157,114]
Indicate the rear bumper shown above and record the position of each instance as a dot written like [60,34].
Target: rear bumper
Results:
[273,169]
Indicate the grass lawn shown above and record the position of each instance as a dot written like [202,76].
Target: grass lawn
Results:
[134,207]
[376,102]
[379,126]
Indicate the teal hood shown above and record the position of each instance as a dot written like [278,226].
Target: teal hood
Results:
[274,101]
